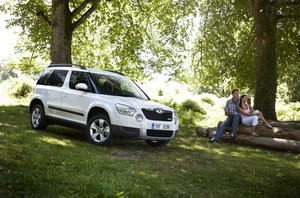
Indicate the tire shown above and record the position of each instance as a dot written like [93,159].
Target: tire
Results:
[98,131]
[157,143]
[37,117]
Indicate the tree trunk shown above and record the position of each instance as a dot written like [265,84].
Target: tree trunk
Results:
[263,142]
[276,132]
[61,35]
[266,68]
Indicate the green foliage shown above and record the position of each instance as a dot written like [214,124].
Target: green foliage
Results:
[19,88]
[217,90]
[136,38]
[6,72]
[192,105]
[160,92]
[168,102]
[208,100]
[189,112]
[288,111]
[22,90]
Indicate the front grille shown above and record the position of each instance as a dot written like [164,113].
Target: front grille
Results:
[152,114]
[159,133]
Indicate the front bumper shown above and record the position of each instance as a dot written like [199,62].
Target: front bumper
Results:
[123,132]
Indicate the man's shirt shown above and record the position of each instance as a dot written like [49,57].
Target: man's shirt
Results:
[231,106]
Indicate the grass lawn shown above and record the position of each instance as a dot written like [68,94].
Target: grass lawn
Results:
[60,162]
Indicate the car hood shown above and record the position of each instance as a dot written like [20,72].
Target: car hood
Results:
[136,102]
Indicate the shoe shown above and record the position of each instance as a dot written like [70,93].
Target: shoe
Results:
[232,135]
[255,134]
[212,141]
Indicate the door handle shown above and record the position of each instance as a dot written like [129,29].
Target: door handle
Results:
[65,95]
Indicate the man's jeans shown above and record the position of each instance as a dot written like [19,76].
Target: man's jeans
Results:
[233,121]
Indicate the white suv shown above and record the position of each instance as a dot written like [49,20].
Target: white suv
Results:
[105,104]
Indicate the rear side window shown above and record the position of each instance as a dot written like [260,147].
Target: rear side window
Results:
[78,77]
[44,78]
[58,78]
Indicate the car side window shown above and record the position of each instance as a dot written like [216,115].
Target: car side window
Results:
[44,78]
[58,78]
[78,77]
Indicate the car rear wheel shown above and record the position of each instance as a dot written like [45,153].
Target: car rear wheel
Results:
[98,130]
[156,143]
[37,118]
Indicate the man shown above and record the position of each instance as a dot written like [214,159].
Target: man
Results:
[233,119]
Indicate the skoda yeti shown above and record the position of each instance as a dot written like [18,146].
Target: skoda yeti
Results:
[106,105]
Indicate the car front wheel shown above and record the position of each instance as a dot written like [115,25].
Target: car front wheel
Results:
[156,143]
[37,118]
[98,130]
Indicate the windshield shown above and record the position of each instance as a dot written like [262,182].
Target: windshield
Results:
[112,85]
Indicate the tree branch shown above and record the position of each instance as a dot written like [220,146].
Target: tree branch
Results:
[147,23]
[236,65]
[141,6]
[86,15]
[225,18]
[280,5]
[81,7]
[35,44]
[288,16]
[40,14]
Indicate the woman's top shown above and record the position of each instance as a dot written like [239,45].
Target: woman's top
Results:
[246,111]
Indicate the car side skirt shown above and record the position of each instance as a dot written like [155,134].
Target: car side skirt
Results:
[66,123]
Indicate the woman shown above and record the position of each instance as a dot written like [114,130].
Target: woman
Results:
[249,118]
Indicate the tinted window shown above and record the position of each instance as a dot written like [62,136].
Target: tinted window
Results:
[119,86]
[78,77]
[58,78]
[44,78]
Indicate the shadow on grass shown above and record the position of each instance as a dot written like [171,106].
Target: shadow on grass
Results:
[60,161]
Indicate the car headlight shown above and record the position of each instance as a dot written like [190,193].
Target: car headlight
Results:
[125,110]
[175,117]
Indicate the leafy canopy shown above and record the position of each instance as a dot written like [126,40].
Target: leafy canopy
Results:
[133,37]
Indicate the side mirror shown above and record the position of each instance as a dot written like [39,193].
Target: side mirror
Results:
[81,86]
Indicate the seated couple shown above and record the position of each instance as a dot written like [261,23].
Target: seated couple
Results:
[233,106]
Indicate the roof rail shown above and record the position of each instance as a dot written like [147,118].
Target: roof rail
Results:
[115,72]
[66,65]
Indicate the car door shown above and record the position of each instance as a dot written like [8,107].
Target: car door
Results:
[75,103]
[53,92]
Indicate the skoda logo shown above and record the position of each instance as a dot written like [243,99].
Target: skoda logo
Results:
[159,111]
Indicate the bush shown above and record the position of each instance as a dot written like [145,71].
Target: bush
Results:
[19,87]
[189,117]
[168,102]
[189,111]
[192,105]
[208,100]
[288,112]
[160,92]
[22,90]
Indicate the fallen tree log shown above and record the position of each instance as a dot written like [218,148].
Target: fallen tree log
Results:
[263,142]
[261,130]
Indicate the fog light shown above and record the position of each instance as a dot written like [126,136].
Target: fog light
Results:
[139,118]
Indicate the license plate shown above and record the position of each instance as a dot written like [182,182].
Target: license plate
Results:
[161,126]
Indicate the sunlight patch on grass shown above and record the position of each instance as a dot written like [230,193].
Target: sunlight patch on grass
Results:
[219,151]
[194,147]
[13,101]
[56,141]
[237,154]
[8,125]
